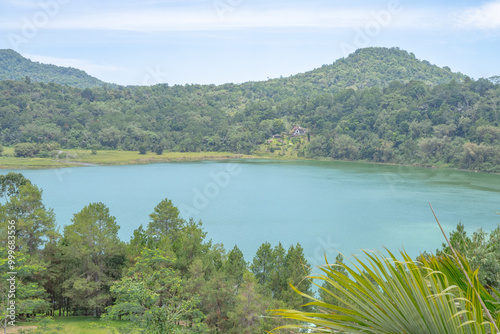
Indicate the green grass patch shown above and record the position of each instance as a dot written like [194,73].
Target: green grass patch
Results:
[76,157]
[79,324]
[9,162]
[133,157]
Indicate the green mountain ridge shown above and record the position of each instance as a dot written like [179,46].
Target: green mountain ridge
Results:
[355,71]
[14,66]
[376,105]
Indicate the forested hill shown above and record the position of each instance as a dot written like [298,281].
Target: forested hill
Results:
[13,66]
[371,67]
[363,69]
[408,121]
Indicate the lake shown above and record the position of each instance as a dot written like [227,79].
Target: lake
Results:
[325,206]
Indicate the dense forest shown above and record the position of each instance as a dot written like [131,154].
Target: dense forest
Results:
[378,105]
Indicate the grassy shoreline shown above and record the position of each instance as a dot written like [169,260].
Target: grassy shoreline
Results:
[81,157]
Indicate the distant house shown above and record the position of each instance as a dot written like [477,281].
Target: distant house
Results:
[298,131]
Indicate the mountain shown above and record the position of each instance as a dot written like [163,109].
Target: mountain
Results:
[364,68]
[379,105]
[14,66]
[369,67]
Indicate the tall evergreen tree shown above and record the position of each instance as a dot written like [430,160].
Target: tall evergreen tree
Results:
[92,246]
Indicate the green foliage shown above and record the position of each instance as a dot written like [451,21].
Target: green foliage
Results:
[149,295]
[378,104]
[34,224]
[15,67]
[250,305]
[26,150]
[275,269]
[10,183]
[235,265]
[95,256]
[165,221]
[387,295]
[482,251]
[159,150]
[30,296]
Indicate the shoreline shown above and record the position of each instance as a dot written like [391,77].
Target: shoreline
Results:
[84,158]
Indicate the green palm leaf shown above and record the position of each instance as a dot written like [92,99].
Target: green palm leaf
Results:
[383,294]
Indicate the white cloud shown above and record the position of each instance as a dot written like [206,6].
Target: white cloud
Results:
[24,4]
[486,16]
[188,19]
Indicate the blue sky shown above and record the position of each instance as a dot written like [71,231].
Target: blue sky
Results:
[219,41]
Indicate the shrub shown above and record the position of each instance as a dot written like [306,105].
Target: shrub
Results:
[26,150]
[159,150]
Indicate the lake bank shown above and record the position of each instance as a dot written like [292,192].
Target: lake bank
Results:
[81,157]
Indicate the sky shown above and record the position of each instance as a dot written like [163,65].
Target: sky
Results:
[132,42]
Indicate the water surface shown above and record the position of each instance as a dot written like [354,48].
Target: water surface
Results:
[326,206]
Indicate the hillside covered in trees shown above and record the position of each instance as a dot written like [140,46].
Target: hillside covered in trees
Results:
[13,66]
[377,105]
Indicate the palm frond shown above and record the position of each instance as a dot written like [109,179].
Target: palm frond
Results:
[382,294]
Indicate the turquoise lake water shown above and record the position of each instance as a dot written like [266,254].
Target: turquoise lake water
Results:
[325,206]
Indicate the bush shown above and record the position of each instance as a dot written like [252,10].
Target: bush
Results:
[159,150]
[26,150]
[1,150]
[143,150]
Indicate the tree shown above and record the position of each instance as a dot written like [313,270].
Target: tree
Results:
[26,226]
[235,265]
[250,307]
[217,299]
[149,295]
[262,264]
[482,251]
[91,244]
[23,288]
[190,245]
[278,276]
[296,269]
[26,150]
[165,221]
[35,224]
[10,183]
